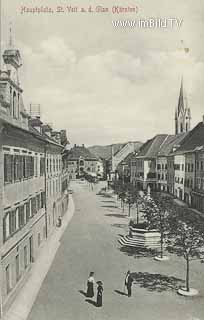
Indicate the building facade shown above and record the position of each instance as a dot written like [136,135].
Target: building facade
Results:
[29,159]
[81,161]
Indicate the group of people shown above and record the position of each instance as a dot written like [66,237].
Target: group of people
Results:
[90,289]
[99,298]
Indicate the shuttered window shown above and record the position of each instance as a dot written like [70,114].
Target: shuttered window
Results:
[8,168]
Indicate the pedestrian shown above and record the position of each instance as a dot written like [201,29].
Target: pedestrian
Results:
[99,299]
[90,285]
[128,283]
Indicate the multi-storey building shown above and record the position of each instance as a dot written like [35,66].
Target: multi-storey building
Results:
[81,161]
[189,167]
[144,163]
[198,190]
[28,160]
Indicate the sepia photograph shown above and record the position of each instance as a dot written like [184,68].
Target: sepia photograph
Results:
[101,160]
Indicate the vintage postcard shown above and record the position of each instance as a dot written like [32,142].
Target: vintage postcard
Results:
[101,159]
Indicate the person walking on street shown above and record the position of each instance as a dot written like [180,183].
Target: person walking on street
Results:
[99,299]
[128,283]
[90,285]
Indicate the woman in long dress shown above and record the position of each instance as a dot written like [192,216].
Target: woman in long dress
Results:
[99,294]
[90,285]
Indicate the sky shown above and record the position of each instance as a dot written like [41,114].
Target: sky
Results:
[104,84]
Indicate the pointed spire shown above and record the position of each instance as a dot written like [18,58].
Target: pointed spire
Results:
[10,36]
[181,102]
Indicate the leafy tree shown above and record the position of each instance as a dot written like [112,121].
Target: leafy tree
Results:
[157,211]
[186,237]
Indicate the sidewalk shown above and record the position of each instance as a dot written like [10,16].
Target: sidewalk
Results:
[22,305]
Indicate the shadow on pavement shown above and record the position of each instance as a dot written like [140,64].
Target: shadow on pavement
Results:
[120,292]
[116,215]
[91,302]
[108,201]
[110,206]
[119,225]
[138,252]
[156,281]
[82,292]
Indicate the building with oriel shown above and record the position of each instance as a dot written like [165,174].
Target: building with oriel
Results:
[33,182]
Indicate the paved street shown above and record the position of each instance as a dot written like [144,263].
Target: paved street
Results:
[90,244]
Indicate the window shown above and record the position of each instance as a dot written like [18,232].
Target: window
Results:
[12,221]
[38,202]
[6,228]
[8,168]
[21,216]
[42,198]
[33,206]
[14,105]
[17,268]
[39,239]
[8,279]
[36,166]
[25,257]
[42,166]
[27,211]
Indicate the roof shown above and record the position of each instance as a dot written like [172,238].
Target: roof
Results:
[127,159]
[171,142]
[80,151]
[43,136]
[193,140]
[151,147]
[137,145]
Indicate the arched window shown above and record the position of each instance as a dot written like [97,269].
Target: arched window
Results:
[14,105]
[186,127]
[18,106]
[11,101]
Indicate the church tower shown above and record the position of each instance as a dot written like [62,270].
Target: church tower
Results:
[183,113]
[10,90]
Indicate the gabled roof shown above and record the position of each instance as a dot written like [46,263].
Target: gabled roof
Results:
[151,147]
[137,145]
[193,140]
[171,142]
[127,159]
[80,151]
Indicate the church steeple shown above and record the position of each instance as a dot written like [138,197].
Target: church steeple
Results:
[183,113]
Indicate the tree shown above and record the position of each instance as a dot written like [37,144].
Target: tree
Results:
[157,210]
[186,237]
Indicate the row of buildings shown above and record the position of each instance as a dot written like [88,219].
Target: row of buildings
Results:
[33,181]
[170,163]
[80,161]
